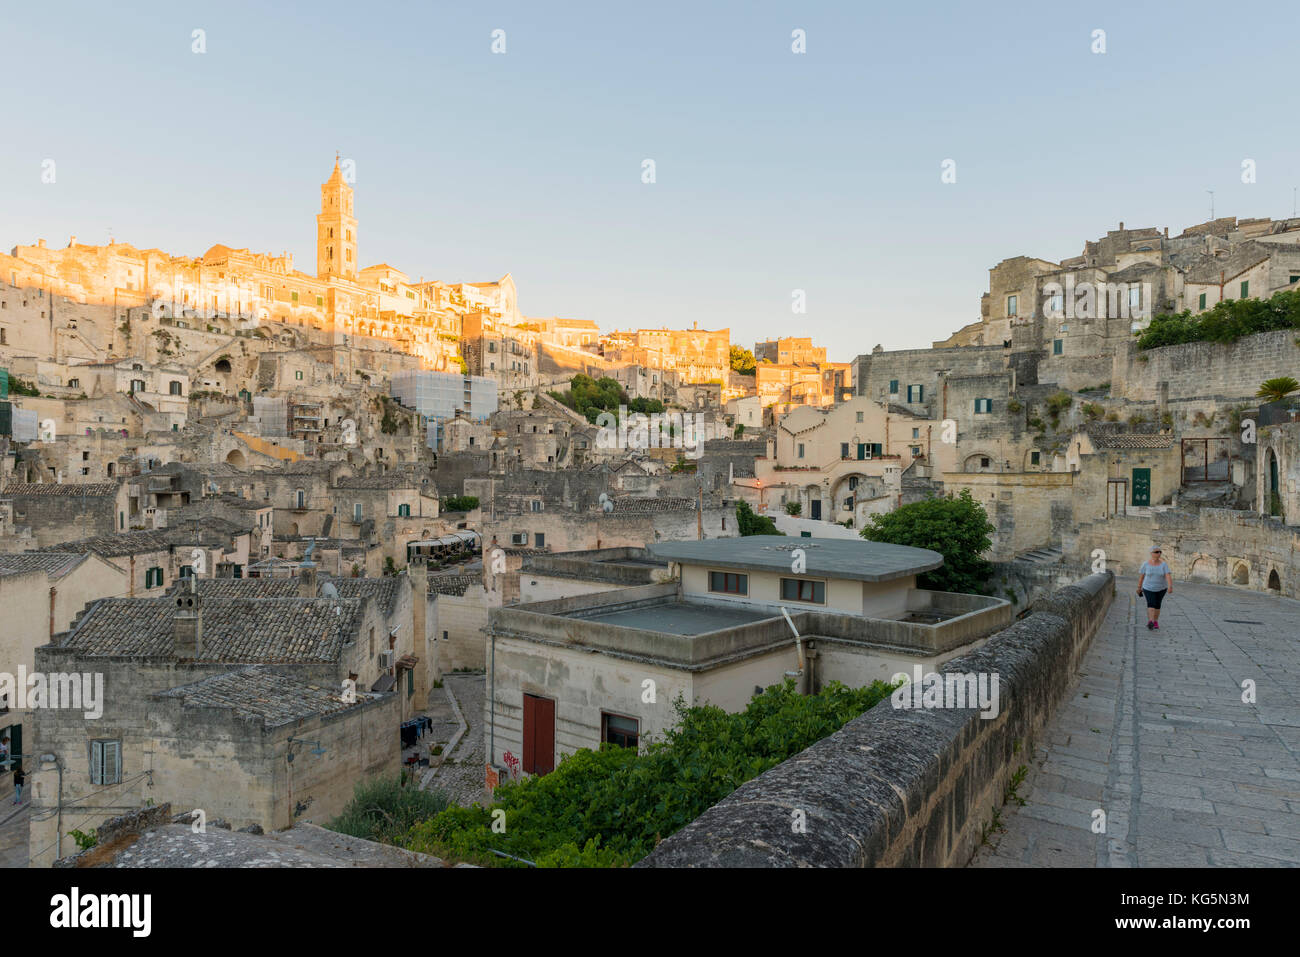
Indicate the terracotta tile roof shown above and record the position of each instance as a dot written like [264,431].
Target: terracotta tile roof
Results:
[56,564]
[70,489]
[382,590]
[262,694]
[255,631]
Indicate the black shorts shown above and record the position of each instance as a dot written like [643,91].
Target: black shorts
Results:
[1154,598]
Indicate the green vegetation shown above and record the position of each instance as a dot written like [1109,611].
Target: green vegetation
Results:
[748,523]
[793,508]
[1092,410]
[387,425]
[1014,406]
[1228,321]
[740,430]
[460,503]
[19,386]
[1275,390]
[85,841]
[742,361]
[590,397]
[957,528]
[382,809]
[609,808]
[1057,403]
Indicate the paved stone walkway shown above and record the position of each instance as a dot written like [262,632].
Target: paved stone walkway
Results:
[1157,736]
[461,775]
[13,831]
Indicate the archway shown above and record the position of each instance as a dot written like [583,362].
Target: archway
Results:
[223,365]
[979,462]
[1274,502]
[1274,581]
[236,458]
[1203,569]
[1241,574]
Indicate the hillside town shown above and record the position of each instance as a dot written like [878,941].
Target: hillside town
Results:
[279,533]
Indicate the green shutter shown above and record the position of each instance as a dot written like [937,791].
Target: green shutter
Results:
[1245,289]
[1202,300]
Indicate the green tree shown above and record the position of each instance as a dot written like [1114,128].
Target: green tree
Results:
[957,528]
[1275,390]
[750,523]
[742,361]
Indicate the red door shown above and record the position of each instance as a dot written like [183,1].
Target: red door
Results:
[539,735]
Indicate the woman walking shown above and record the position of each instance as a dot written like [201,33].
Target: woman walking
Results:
[1155,581]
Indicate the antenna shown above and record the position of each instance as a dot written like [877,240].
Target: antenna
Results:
[1211,192]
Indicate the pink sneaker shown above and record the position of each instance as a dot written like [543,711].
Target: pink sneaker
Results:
[1155,625]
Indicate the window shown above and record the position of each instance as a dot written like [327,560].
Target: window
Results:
[1135,296]
[187,571]
[293,296]
[618,730]
[893,387]
[916,451]
[535,505]
[853,483]
[72,383]
[1011,305]
[1202,301]
[519,538]
[153,577]
[410,682]
[916,393]
[137,385]
[982,407]
[320,300]
[1245,289]
[844,450]
[403,511]
[729,583]
[916,433]
[174,387]
[803,589]
[539,539]
[800,450]
[356,512]
[1035,458]
[297,374]
[984,462]
[1058,346]
[300,499]
[859,417]
[105,762]
[1056,304]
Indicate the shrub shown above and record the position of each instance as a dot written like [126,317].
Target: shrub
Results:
[610,807]
[383,810]
[460,503]
[1228,321]
[793,508]
[749,523]
[1092,410]
[957,528]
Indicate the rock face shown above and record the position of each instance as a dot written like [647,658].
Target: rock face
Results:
[905,787]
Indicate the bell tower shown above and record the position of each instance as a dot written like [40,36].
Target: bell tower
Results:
[336,229]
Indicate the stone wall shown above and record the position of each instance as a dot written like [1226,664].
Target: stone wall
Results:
[905,787]
[1204,370]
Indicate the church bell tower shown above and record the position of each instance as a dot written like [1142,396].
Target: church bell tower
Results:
[336,229]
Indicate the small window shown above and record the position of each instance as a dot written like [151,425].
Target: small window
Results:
[1135,296]
[853,483]
[519,538]
[844,450]
[293,296]
[356,512]
[297,374]
[320,300]
[984,462]
[803,589]
[916,393]
[1058,346]
[729,583]
[800,450]
[1245,289]
[859,417]
[1012,305]
[535,505]
[539,539]
[893,387]
[982,407]
[174,387]
[1202,300]
[105,762]
[404,511]
[1035,458]
[619,731]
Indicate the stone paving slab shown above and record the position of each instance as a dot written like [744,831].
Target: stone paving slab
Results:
[1156,734]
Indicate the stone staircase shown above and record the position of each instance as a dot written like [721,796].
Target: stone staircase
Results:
[1041,556]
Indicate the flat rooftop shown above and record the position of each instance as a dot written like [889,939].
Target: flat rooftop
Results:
[679,617]
[823,557]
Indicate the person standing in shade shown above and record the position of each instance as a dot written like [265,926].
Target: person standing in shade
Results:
[19,778]
[1155,581]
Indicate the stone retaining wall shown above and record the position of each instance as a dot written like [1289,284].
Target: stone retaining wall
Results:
[901,787]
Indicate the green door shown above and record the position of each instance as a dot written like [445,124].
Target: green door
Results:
[1141,487]
[862,451]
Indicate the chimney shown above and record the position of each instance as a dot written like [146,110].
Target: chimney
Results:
[187,621]
[307,579]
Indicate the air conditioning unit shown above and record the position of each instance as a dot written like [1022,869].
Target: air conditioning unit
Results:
[386,658]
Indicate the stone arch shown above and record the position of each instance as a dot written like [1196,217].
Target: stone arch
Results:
[236,458]
[843,490]
[1241,574]
[1274,581]
[293,528]
[980,462]
[223,365]
[1204,568]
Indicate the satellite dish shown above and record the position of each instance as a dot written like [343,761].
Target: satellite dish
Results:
[329,590]
[606,502]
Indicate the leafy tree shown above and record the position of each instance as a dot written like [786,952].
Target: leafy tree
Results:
[1275,390]
[742,361]
[610,807]
[957,528]
[460,503]
[793,508]
[750,523]
[590,397]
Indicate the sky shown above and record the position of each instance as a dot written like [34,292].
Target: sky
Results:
[774,171]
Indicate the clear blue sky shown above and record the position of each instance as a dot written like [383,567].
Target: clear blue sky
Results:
[775,171]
